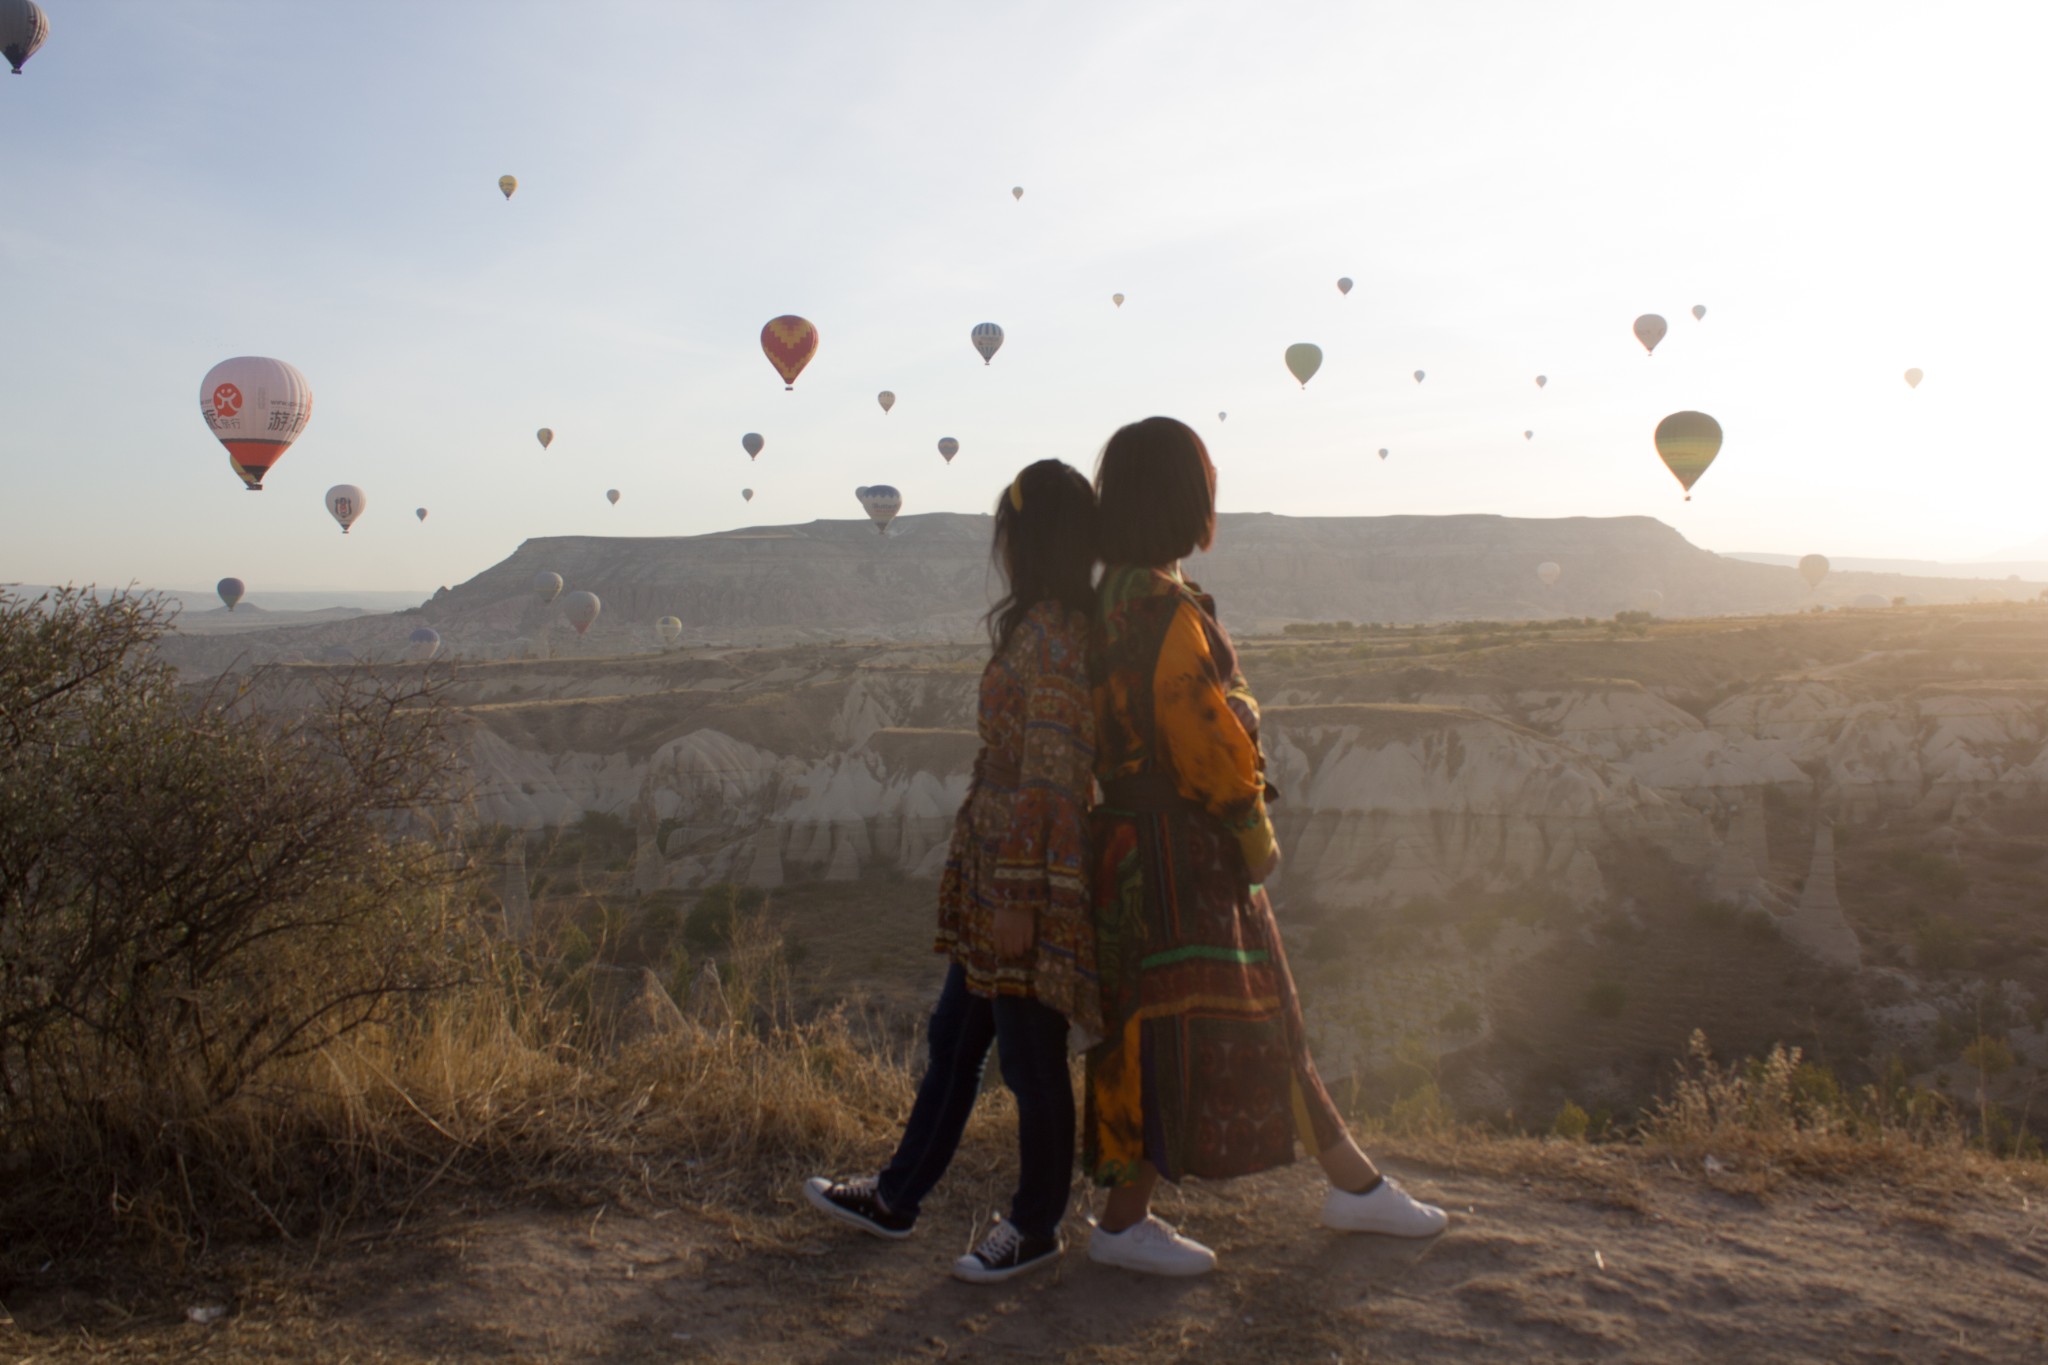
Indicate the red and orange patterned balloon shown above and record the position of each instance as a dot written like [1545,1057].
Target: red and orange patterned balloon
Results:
[789,342]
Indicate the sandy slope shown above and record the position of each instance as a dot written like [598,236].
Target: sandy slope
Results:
[1556,1254]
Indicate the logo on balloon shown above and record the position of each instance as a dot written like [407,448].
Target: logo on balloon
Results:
[227,401]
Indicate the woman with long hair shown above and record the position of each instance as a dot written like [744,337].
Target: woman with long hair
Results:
[1203,1069]
[1014,912]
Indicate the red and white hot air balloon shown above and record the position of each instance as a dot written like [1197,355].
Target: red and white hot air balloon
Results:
[581,608]
[256,407]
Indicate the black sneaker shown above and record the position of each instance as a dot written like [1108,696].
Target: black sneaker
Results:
[1005,1252]
[855,1202]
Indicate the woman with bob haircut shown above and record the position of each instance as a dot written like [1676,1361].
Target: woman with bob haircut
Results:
[1014,913]
[1203,1069]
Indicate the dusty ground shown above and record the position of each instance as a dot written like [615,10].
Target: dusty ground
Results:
[1570,1254]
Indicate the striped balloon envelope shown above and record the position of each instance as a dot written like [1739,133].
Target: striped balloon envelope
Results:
[988,339]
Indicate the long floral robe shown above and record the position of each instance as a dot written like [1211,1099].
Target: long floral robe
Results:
[1204,1069]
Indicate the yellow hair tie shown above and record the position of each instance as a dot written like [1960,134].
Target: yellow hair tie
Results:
[1017,493]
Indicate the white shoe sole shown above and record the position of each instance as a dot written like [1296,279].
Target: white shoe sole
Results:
[1186,1270]
[972,1271]
[847,1216]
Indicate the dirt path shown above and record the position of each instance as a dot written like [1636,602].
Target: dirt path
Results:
[1591,1256]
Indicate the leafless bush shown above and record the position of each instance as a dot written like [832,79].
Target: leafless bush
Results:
[194,894]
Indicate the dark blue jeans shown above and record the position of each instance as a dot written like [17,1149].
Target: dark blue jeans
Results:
[1032,1041]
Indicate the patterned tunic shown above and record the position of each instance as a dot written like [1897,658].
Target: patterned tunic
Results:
[1021,837]
[1204,1069]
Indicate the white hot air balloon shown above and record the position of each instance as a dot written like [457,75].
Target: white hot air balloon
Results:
[345,503]
[581,608]
[670,629]
[547,586]
[882,504]
[988,339]
[611,495]
[256,407]
[1549,573]
[420,512]
[886,399]
[1913,378]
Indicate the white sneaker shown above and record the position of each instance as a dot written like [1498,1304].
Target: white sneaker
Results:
[1152,1248]
[1388,1209]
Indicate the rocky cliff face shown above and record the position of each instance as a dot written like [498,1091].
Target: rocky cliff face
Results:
[930,580]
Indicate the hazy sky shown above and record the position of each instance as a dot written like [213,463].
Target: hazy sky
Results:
[1850,189]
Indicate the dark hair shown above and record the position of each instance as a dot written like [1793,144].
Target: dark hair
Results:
[1045,547]
[1156,493]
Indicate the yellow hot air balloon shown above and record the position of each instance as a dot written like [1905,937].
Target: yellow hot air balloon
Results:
[508,184]
[1687,442]
[670,629]
[1649,330]
[545,436]
[1813,568]
[1549,573]
[1117,299]
[1304,358]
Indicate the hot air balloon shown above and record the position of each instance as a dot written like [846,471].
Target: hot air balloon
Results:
[1649,600]
[230,589]
[1383,452]
[508,184]
[669,629]
[547,586]
[1344,284]
[988,339]
[886,399]
[424,643]
[948,447]
[789,342]
[1699,310]
[1870,601]
[752,443]
[1549,573]
[1649,330]
[1813,568]
[256,407]
[1016,191]
[1528,435]
[882,503]
[1117,299]
[1304,358]
[1913,378]
[420,512]
[581,608]
[1687,442]
[1418,376]
[1541,380]
[345,503]
[23,27]
[546,437]
[611,496]
[1221,416]
[747,493]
